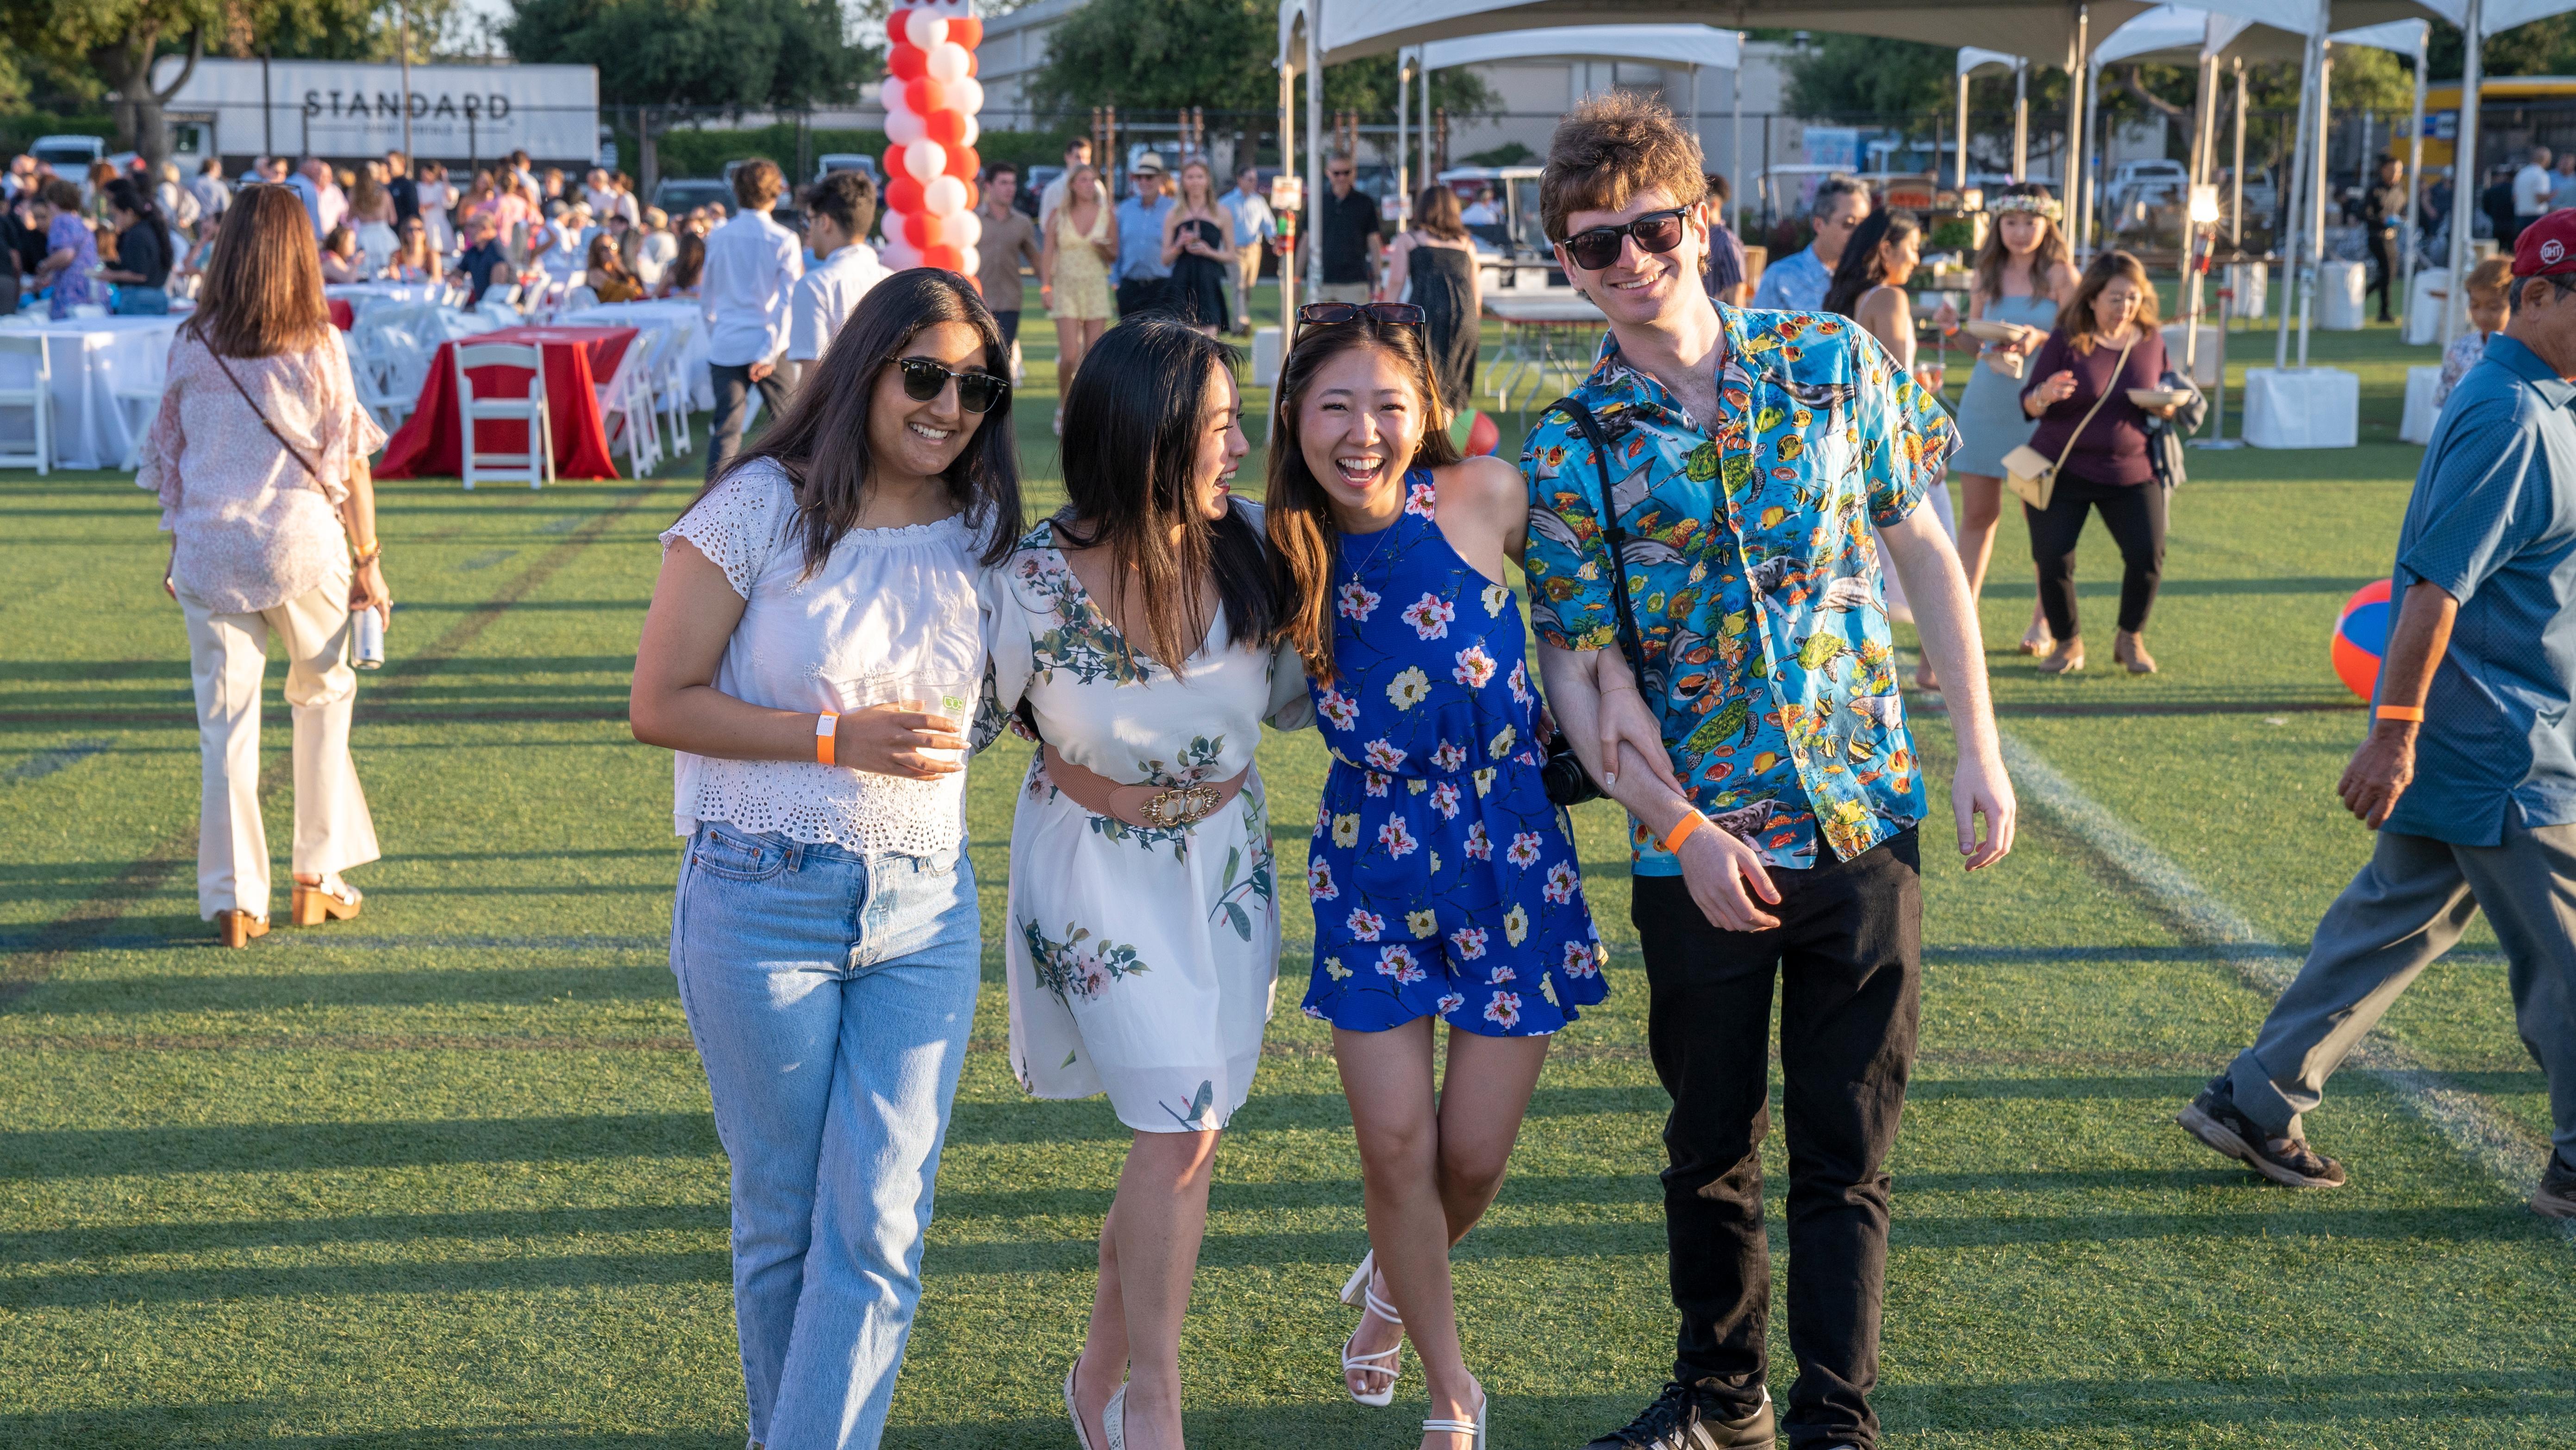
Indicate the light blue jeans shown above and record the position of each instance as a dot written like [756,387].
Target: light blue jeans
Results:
[829,993]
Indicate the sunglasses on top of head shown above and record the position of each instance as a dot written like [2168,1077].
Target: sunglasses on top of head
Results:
[976,392]
[1334,314]
[1656,231]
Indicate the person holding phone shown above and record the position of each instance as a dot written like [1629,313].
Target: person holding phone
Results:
[813,602]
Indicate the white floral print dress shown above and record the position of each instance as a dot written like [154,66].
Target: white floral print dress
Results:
[1140,962]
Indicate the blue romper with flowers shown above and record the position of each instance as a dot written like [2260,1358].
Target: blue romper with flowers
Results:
[1443,881]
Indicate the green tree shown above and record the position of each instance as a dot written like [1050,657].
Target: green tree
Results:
[1164,55]
[783,54]
[119,40]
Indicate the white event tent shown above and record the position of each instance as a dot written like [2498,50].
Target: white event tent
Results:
[1973,59]
[1316,33]
[1700,47]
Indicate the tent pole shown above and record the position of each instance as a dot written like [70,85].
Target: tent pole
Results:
[1403,96]
[1288,167]
[2314,271]
[2296,214]
[2095,157]
[1736,85]
[1314,144]
[2236,208]
[1962,168]
[2464,170]
[2204,94]
[2021,121]
[1428,175]
[2414,176]
[2068,171]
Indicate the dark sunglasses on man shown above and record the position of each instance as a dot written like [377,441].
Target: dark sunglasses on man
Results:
[1656,231]
[977,392]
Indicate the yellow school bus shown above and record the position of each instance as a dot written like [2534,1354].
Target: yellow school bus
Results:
[2442,108]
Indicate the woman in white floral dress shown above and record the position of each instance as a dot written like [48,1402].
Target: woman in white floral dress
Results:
[1143,927]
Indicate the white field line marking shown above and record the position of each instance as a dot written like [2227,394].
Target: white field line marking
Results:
[2499,1146]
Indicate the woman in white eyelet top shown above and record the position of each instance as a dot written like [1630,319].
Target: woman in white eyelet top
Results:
[825,932]
[890,605]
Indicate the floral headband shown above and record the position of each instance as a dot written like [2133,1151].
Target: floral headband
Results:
[2045,206]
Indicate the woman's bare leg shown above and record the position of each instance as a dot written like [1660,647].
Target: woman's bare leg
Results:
[1149,1251]
[1429,1169]
[1068,354]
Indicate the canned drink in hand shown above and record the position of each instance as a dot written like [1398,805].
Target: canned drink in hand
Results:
[367,639]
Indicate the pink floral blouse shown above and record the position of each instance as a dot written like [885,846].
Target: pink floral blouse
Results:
[254,529]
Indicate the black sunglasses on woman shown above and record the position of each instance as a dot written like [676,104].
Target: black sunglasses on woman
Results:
[977,392]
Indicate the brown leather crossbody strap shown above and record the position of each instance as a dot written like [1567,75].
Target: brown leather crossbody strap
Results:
[229,376]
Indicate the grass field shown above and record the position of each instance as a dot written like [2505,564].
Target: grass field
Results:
[444,1176]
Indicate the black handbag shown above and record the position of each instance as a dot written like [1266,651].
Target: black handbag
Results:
[1568,783]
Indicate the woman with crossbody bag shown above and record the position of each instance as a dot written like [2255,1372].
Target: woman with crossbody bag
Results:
[2089,453]
[259,458]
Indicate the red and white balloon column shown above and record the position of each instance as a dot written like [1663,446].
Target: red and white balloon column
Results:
[931,98]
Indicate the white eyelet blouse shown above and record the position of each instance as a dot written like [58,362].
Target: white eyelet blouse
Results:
[888,604]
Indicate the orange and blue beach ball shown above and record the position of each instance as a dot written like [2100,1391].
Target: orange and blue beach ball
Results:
[2361,637]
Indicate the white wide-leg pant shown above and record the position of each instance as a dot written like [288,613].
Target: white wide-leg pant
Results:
[227,658]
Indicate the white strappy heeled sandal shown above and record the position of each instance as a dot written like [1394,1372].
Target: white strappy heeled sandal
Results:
[1081,1436]
[1389,1361]
[1113,1421]
[1475,1427]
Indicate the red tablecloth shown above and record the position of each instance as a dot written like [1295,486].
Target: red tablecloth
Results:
[428,444]
[343,316]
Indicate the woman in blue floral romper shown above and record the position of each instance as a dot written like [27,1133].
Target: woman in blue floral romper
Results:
[1444,885]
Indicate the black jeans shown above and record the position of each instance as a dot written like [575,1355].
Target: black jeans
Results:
[1849,956]
[733,402]
[2383,250]
[2135,515]
[1009,322]
[1140,295]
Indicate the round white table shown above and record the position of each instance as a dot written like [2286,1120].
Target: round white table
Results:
[93,359]
[362,295]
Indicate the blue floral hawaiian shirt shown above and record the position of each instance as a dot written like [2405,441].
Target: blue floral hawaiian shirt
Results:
[1752,574]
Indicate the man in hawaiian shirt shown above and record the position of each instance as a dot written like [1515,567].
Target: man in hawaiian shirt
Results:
[1752,453]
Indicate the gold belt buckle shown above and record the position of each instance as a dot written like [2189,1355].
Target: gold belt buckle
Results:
[1181,806]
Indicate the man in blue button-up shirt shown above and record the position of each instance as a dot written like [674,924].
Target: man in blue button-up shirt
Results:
[1141,274]
[2469,771]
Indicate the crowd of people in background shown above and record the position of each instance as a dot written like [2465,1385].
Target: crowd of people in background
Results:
[126,240]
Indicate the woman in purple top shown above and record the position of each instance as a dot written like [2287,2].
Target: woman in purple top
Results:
[2106,342]
[71,253]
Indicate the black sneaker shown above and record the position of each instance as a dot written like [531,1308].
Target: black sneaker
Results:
[2556,1197]
[1721,1429]
[1692,1418]
[2214,1119]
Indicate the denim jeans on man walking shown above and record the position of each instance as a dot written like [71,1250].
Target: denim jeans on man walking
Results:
[1848,954]
[829,993]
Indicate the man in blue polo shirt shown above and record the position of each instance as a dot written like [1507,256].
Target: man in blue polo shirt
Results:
[2469,771]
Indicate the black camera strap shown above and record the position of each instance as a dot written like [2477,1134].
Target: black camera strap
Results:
[1632,641]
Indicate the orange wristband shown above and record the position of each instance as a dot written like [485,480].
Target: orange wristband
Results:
[1681,832]
[826,726]
[2414,713]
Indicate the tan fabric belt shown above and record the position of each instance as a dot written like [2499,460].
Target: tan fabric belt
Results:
[1152,807]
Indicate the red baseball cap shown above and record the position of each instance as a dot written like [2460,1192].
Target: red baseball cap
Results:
[2546,246]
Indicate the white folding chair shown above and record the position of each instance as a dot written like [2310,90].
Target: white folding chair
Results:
[137,407]
[625,408]
[37,397]
[537,464]
[672,391]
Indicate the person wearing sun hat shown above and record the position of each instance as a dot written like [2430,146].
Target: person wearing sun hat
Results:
[2468,773]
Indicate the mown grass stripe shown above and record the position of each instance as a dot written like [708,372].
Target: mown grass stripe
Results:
[2496,1144]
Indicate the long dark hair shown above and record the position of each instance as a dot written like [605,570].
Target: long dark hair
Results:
[263,284]
[1994,256]
[822,439]
[1132,422]
[1305,542]
[1860,268]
